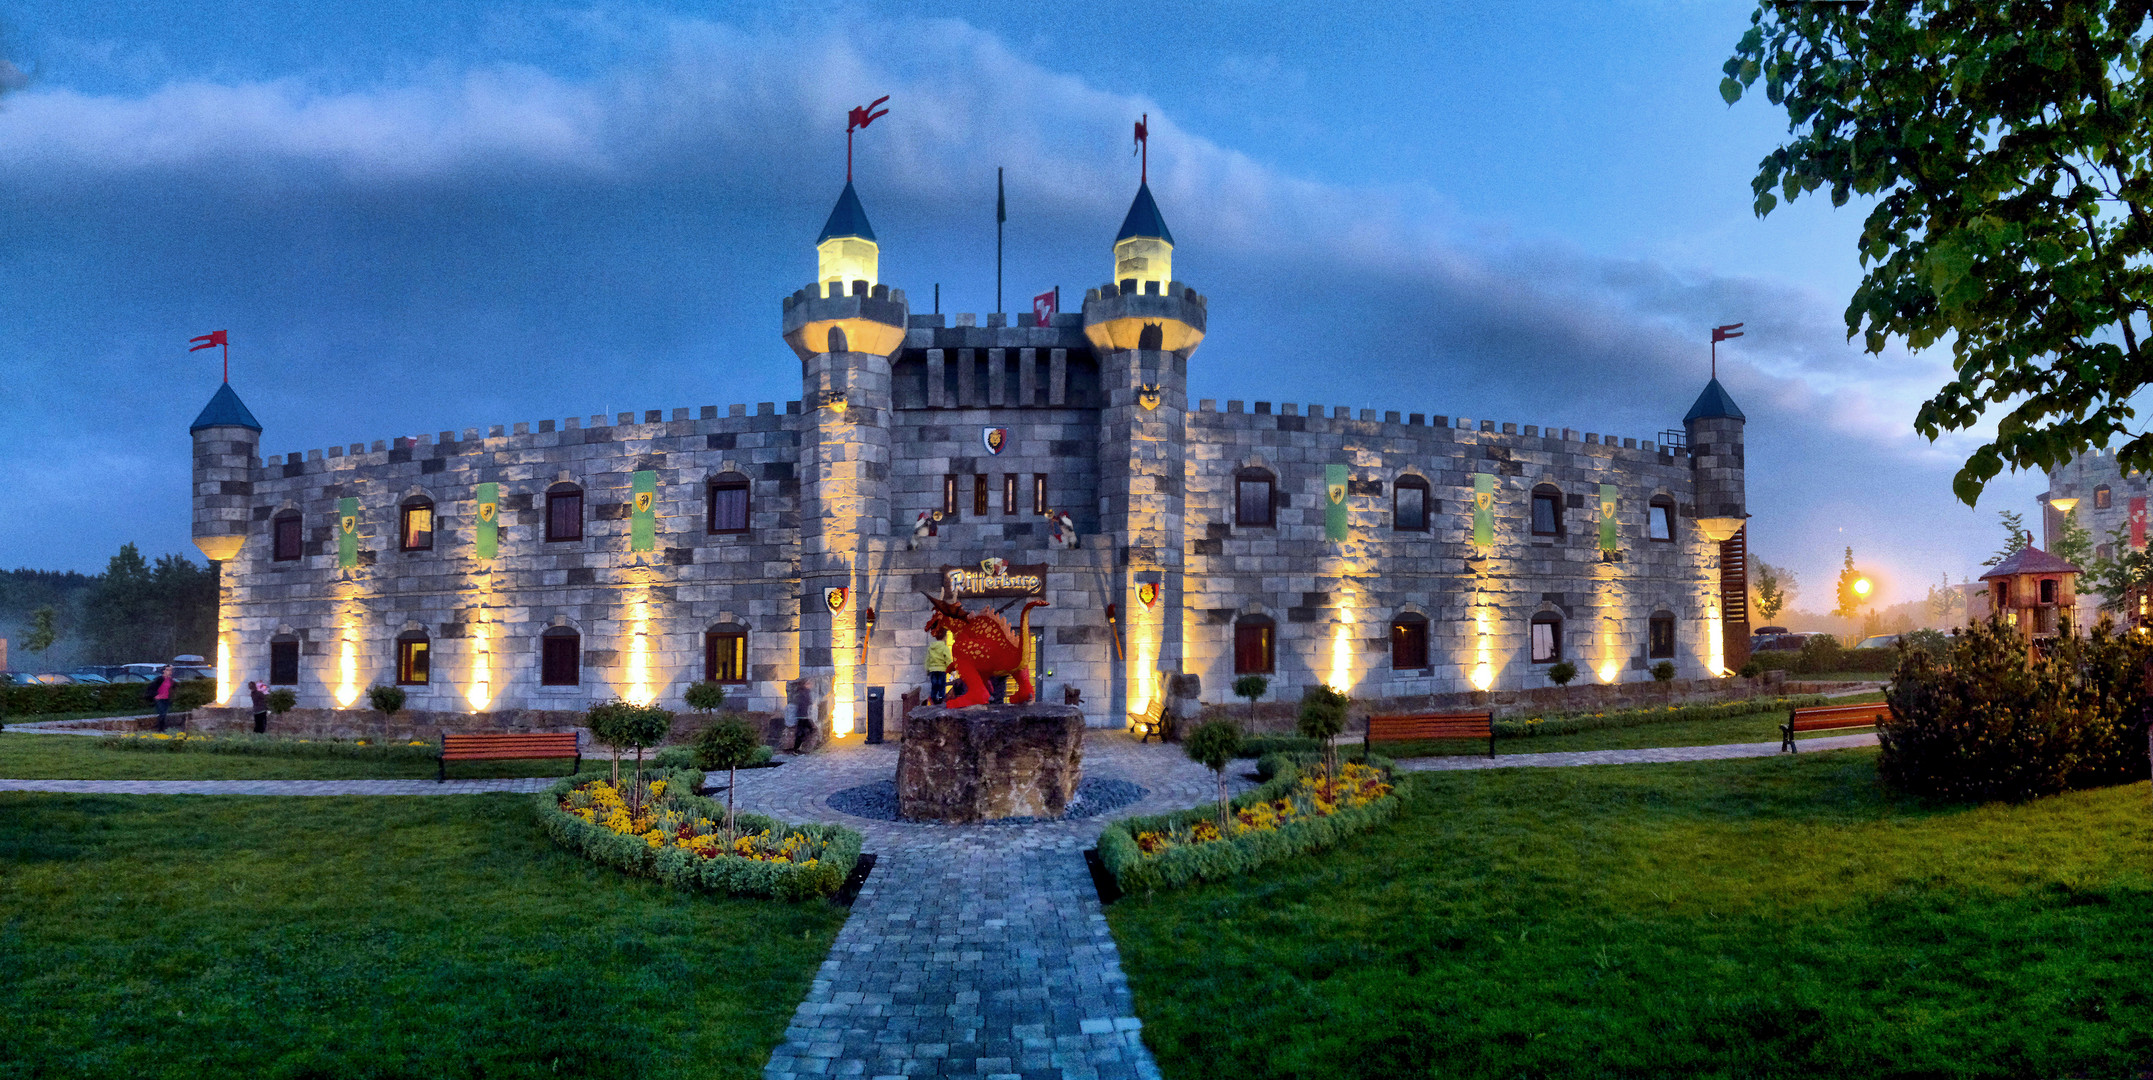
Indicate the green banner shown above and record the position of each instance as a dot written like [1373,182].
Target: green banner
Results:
[489,520]
[347,532]
[1334,506]
[1484,509]
[643,519]
[1608,539]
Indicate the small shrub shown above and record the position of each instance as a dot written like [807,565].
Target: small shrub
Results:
[1751,668]
[1562,673]
[1323,716]
[1214,744]
[282,700]
[1821,653]
[1997,721]
[727,744]
[1251,687]
[1256,746]
[387,700]
[621,724]
[704,697]
[1664,671]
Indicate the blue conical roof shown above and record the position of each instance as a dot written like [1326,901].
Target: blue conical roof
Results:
[847,218]
[1714,404]
[1144,219]
[225,410]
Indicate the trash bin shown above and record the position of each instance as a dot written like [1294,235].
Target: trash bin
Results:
[874,715]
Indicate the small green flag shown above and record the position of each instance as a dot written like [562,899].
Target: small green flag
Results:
[643,521]
[347,532]
[1608,540]
[1334,506]
[1484,509]
[489,520]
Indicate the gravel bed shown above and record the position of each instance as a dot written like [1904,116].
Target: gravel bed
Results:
[1094,796]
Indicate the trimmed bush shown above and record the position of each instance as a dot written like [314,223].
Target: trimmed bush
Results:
[704,697]
[1520,728]
[387,700]
[271,746]
[1177,866]
[1561,673]
[1256,746]
[1664,671]
[839,847]
[18,701]
[1269,765]
[683,757]
[1997,721]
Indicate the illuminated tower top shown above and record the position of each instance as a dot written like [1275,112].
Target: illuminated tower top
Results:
[846,251]
[1144,249]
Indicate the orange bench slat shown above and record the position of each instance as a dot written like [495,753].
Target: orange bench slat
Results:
[1822,717]
[474,747]
[1430,726]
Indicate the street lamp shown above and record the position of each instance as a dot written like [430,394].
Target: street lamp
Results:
[1862,587]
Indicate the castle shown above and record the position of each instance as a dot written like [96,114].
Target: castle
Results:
[784,551]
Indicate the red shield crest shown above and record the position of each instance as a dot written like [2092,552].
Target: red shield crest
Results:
[995,438]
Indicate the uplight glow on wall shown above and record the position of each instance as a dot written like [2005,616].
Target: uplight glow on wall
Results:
[481,690]
[347,688]
[1145,630]
[638,689]
[224,671]
[1341,676]
[1484,671]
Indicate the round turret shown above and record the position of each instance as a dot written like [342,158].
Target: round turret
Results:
[1143,307]
[845,309]
[226,438]
[1714,425]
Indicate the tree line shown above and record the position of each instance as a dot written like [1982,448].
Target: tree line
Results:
[136,611]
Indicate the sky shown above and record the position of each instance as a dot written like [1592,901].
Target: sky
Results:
[415,217]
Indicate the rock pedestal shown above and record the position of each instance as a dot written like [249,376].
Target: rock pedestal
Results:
[989,761]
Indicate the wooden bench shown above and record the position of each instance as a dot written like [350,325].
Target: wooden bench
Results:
[490,745]
[1479,725]
[1827,717]
[1146,723]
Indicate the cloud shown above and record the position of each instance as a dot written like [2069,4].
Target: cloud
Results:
[500,241]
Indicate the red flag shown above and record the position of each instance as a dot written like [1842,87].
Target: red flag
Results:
[2138,521]
[1043,309]
[207,341]
[1723,333]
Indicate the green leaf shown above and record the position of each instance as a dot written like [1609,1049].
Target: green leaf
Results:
[1765,203]
[1731,90]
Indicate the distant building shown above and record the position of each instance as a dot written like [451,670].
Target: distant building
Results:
[782,549]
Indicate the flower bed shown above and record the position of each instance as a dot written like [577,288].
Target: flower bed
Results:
[270,746]
[679,838]
[1298,811]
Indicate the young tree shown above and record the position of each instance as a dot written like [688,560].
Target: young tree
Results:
[1214,744]
[1775,589]
[727,744]
[1850,598]
[704,697]
[388,699]
[2114,577]
[1323,716]
[43,631]
[1251,687]
[1562,672]
[2074,542]
[2002,148]
[2016,538]
[1947,603]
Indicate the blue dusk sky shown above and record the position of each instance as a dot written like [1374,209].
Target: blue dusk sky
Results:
[415,217]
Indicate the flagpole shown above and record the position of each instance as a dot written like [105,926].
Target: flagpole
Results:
[1001,213]
[227,362]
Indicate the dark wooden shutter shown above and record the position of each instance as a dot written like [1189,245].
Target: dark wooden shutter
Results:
[1734,598]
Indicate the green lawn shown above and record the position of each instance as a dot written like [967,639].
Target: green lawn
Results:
[1754,727]
[78,757]
[184,936]
[1763,917]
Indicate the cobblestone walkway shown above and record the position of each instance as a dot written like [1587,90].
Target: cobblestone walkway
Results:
[278,787]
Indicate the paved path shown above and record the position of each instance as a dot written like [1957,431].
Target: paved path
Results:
[1650,755]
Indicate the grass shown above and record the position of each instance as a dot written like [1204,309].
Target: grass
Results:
[93,714]
[81,757]
[1752,918]
[1752,727]
[154,936]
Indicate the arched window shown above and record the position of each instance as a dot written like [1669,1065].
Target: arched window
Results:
[1409,505]
[1151,337]
[1660,638]
[287,537]
[284,660]
[725,654]
[838,342]
[1254,645]
[1409,642]
[1547,510]
[564,512]
[728,503]
[412,662]
[1255,491]
[1546,638]
[2102,497]
[560,657]
[1660,524]
[416,524]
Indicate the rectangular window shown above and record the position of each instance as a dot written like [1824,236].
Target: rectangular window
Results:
[1009,493]
[288,533]
[2102,498]
[979,495]
[2048,591]
[1252,502]
[729,507]
[418,531]
[559,663]
[1660,644]
[949,495]
[1408,645]
[1547,642]
[411,663]
[284,663]
[564,515]
[1039,493]
[1547,515]
[725,657]
[1663,521]
[1410,510]
[1252,648]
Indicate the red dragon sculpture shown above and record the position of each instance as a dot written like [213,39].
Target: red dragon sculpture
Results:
[982,647]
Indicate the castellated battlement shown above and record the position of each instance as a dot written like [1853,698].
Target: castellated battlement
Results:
[526,435]
[1288,416]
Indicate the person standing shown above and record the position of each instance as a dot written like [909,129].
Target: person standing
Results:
[260,693]
[938,661]
[160,694]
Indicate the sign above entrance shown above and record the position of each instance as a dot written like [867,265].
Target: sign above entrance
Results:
[996,577]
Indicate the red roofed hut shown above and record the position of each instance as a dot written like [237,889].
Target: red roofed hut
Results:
[2034,591]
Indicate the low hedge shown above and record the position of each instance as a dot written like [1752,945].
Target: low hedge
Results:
[1268,766]
[271,746]
[98,697]
[840,846]
[1847,661]
[1257,746]
[1511,728]
[683,757]
[1181,865]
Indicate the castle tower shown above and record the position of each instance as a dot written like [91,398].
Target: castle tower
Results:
[845,327]
[1714,425]
[1143,326]
[226,438]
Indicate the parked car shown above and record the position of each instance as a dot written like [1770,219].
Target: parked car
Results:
[44,678]
[1881,641]
[88,678]
[185,673]
[1781,642]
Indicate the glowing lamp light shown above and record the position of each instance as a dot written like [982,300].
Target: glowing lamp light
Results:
[1145,258]
[842,260]
[1861,586]
[1483,676]
[1609,670]
[347,689]
[224,671]
[481,690]
[2065,505]
[1341,677]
